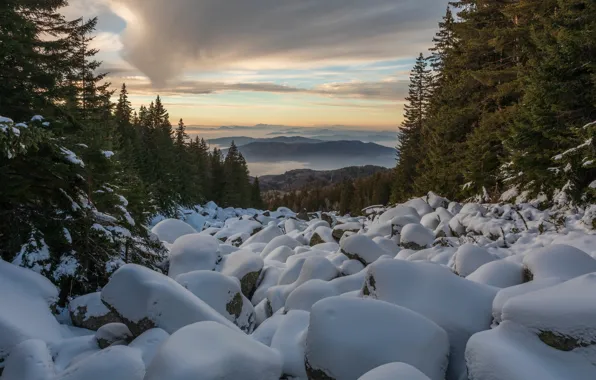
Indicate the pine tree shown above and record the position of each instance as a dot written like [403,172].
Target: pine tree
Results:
[217,176]
[410,134]
[182,168]
[255,195]
[346,197]
[236,191]
[443,42]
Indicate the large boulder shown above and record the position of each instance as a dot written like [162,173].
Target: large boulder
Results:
[90,313]
[148,343]
[557,260]
[289,340]
[394,371]
[512,352]
[362,248]
[113,334]
[470,257]
[264,236]
[499,273]
[416,237]
[563,316]
[461,307]
[309,293]
[169,230]
[277,242]
[144,299]
[223,294]
[210,351]
[340,229]
[193,252]
[348,337]
[246,266]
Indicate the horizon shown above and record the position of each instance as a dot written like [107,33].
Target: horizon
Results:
[344,65]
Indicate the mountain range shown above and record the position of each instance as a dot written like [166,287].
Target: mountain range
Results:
[300,178]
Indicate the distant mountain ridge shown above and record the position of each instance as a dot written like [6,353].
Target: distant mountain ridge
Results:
[300,178]
[244,140]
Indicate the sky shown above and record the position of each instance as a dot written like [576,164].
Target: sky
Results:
[309,63]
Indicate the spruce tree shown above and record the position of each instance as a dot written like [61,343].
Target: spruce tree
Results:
[236,191]
[410,135]
[255,195]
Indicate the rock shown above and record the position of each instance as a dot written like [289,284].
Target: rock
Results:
[223,294]
[113,363]
[361,248]
[309,293]
[171,229]
[499,273]
[193,252]
[420,205]
[371,333]
[512,352]
[350,267]
[289,341]
[563,316]
[436,201]
[388,245]
[557,260]
[393,371]
[322,234]
[279,241]
[210,351]
[88,312]
[269,277]
[416,237]
[430,221]
[400,221]
[113,334]
[264,236]
[400,210]
[29,360]
[144,299]
[280,254]
[340,229]
[461,307]
[246,267]
[470,257]
[328,218]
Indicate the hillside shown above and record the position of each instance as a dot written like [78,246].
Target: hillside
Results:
[243,140]
[299,178]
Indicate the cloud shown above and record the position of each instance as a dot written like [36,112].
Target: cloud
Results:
[163,38]
[390,89]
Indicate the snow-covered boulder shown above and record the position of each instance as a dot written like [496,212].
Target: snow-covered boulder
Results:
[420,205]
[435,201]
[362,248]
[210,351]
[265,332]
[394,371]
[90,313]
[348,337]
[290,340]
[29,360]
[246,267]
[264,236]
[280,254]
[279,241]
[114,363]
[268,278]
[309,293]
[196,221]
[558,260]
[340,229]
[148,343]
[322,234]
[512,352]
[223,294]
[394,212]
[171,229]
[473,208]
[350,267]
[563,316]
[470,257]
[113,334]
[430,221]
[193,252]
[498,273]
[416,237]
[144,299]
[399,222]
[459,306]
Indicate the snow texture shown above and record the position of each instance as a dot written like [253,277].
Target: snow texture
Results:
[171,229]
[193,252]
[393,371]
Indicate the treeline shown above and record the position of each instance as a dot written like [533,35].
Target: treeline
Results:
[348,197]
[80,183]
[508,86]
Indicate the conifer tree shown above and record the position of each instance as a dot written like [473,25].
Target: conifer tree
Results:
[236,190]
[410,135]
[255,195]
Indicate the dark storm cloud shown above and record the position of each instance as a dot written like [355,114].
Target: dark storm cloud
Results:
[162,38]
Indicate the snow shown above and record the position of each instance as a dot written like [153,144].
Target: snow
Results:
[113,333]
[193,252]
[279,241]
[107,153]
[470,257]
[148,343]
[416,236]
[171,229]
[348,337]
[246,267]
[511,352]
[559,260]
[29,360]
[499,273]
[289,340]
[361,248]
[145,299]
[265,332]
[210,351]
[264,236]
[400,210]
[393,371]
[89,305]
[114,363]
[223,294]
[309,293]
[72,157]
[280,254]
[420,205]
[459,306]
